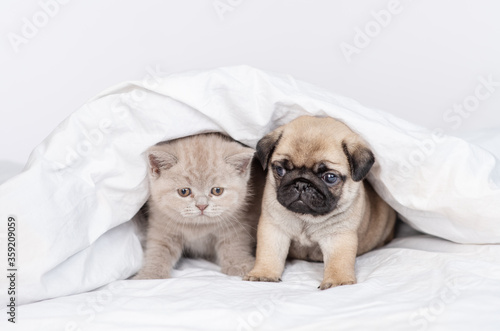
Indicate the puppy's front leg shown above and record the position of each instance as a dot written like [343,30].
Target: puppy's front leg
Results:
[339,253]
[272,249]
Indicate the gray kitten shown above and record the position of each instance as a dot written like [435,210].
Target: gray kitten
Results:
[201,205]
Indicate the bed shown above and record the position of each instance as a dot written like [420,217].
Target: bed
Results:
[76,246]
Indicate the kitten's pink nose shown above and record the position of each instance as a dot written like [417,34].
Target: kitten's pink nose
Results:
[201,207]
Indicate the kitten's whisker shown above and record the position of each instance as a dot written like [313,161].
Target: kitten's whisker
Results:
[234,221]
[243,227]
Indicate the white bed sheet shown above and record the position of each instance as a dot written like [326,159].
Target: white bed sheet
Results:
[415,283]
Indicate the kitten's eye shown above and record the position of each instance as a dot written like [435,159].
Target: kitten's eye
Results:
[217,190]
[279,170]
[184,192]
[330,178]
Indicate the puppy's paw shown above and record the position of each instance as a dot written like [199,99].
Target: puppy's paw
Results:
[332,282]
[255,276]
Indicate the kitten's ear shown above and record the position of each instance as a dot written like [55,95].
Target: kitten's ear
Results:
[160,160]
[265,147]
[241,161]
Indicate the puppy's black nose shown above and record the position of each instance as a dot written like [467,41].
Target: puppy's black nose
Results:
[301,186]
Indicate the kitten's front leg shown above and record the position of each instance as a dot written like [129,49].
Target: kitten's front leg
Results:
[234,253]
[160,257]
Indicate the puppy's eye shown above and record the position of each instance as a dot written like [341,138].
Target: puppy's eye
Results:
[330,178]
[184,192]
[217,190]
[280,171]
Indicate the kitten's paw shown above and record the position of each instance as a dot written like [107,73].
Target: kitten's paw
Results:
[332,282]
[255,276]
[240,269]
[150,275]
[261,279]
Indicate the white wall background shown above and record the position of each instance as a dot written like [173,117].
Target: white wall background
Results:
[426,60]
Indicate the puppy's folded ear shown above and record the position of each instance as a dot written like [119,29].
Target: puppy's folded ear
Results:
[160,160]
[360,158]
[266,146]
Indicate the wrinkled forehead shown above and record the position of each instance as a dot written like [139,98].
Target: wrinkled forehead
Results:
[311,151]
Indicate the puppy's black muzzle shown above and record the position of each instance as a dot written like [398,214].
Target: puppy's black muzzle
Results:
[305,193]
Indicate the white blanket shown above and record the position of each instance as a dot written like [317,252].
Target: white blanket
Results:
[88,178]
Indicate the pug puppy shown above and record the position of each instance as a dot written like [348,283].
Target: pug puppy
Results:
[316,204]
